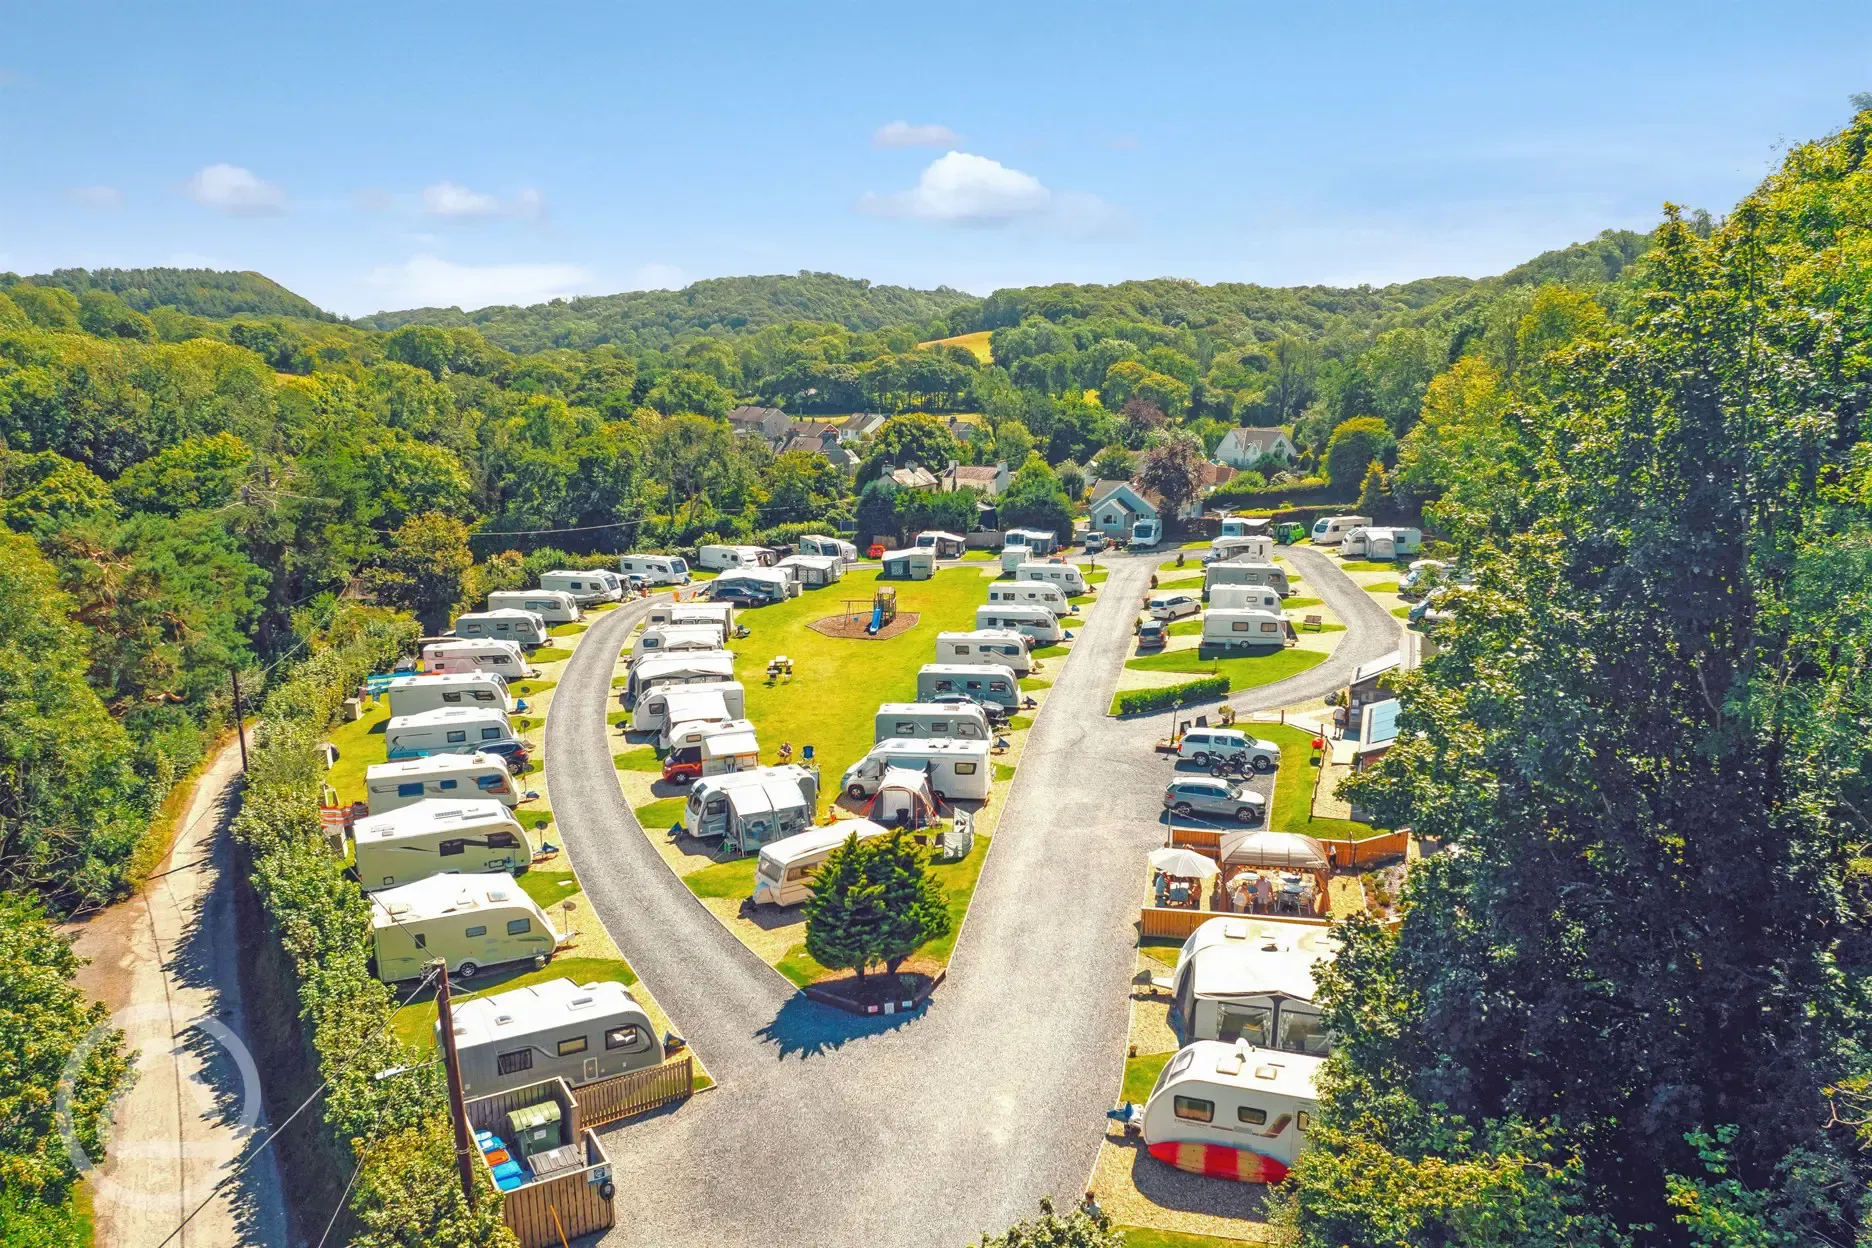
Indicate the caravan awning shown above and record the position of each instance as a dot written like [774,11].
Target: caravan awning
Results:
[1377,667]
[729,744]
[1259,848]
[751,801]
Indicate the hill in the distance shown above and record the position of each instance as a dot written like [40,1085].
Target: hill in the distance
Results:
[200,292]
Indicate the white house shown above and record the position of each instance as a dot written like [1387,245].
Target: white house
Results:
[1243,447]
[1117,506]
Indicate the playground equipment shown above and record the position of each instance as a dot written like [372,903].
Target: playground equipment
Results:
[883,609]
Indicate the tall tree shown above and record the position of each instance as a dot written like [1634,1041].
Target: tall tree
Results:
[1173,468]
[424,569]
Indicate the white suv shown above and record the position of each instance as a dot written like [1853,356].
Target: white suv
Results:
[1205,745]
[1174,606]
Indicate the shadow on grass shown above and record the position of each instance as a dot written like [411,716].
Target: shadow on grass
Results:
[804,1028]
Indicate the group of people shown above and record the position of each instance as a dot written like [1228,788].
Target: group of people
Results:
[1265,892]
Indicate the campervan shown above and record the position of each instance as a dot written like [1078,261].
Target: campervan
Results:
[1036,624]
[942,545]
[687,706]
[988,684]
[756,585]
[455,777]
[656,569]
[1246,526]
[524,628]
[468,921]
[685,668]
[721,558]
[576,1032]
[958,770]
[1030,594]
[931,719]
[698,748]
[433,836]
[999,646]
[672,638]
[784,874]
[1236,572]
[552,605]
[1331,530]
[1259,597]
[455,730]
[1240,978]
[813,571]
[412,695]
[908,565]
[837,547]
[1244,626]
[1065,575]
[652,710]
[1146,533]
[691,613]
[748,809]
[1381,543]
[1237,1097]
[1033,541]
[586,588]
[450,658]
[1247,549]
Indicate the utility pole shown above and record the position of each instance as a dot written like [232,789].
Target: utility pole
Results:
[240,723]
[458,1106]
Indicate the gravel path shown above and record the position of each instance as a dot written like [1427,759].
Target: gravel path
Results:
[832,1131]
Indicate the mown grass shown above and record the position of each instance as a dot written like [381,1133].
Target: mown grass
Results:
[1140,1076]
[1368,565]
[1293,787]
[360,745]
[800,968]
[1185,628]
[572,629]
[658,816]
[725,879]
[550,654]
[1381,587]
[531,688]
[1050,652]
[1294,604]
[1402,613]
[548,886]
[958,880]
[1243,672]
[643,758]
[534,818]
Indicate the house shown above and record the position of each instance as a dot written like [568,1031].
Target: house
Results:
[911,477]
[989,479]
[1242,447]
[857,425]
[1117,506]
[769,423]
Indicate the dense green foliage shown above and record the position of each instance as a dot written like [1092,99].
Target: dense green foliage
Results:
[1162,698]
[199,292]
[874,901]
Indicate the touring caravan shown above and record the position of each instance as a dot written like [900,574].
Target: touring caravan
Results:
[1233,572]
[412,695]
[1246,526]
[1065,575]
[814,571]
[721,613]
[456,777]
[656,569]
[1146,532]
[674,638]
[1331,530]
[1247,549]
[1000,646]
[907,565]
[1030,594]
[469,921]
[586,588]
[1033,541]
[1239,978]
[958,771]
[772,584]
[1381,543]
[748,809]
[689,706]
[577,1032]
[1037,624]
[947,720]
[652,710]
[552,605]
[1244,626]
[451,658]
[942,545]
[1258,597]
[684,668]
[524,628]
[784,874]
[836,547]
[433,836]
[456,730]
[695,748]
[991,684]
[721,558]
[1233,1097]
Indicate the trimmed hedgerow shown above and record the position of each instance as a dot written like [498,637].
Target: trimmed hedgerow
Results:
[1136,701]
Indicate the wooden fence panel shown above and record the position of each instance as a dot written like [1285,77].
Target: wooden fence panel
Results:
[1202,840]
[569,1204]
[639,1092]
[1371,849]
[1177,924]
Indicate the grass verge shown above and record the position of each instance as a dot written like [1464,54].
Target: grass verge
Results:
[657,816]
[1293,788]
[572,629]
[1140,1076]
[1243,672]
[643,758]
[551,654]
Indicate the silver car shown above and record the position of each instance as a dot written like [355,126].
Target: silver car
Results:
[1203,795]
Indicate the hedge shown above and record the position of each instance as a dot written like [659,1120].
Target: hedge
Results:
[1136,701]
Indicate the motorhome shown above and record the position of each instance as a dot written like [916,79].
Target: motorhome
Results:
[697,748]
[450,658]
[773,584]
[652,711]
[748,809]
[1236,572]
[1037,624]
[910,720]
[455,730]
[942,545]
[837,547]
[433,836]
[1331,530]
[685,706]
[455,777]
[1241,978]
[1259,597]
[999,646]
[467,921]
[1146,533]
[686,668]
[814,571]
[1033,541]
[672,638]
[908,565]
[1258,549]
[1254,1106]
[412,695]
[576,1032]
[1246,526]
[1244,626]
[524,628]
[1065,575]
[1381,543]
[656,569]
[784,874]
[552,605]
[958,771]
[989,684]
[721,558]
[586,588]
[1030,594]
[691,613]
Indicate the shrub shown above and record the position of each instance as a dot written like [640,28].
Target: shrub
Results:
[1137,701]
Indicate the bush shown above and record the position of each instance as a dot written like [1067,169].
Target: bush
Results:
[1137,701]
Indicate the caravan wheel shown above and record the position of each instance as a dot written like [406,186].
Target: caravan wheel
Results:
[466,970]
[856,792]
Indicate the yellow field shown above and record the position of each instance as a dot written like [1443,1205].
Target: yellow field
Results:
[976,342]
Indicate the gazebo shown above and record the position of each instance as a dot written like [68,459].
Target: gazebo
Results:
[1274,872]
[904,799]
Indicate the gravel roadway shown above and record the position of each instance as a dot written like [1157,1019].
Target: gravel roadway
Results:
[838,1132]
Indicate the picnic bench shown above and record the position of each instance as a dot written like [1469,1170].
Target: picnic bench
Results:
[1314,622]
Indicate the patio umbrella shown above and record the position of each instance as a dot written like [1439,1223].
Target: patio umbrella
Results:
[1185,863]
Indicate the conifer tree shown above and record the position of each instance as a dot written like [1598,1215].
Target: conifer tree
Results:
[915,910]
[845,918]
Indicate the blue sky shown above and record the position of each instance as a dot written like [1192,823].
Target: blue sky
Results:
[390,155]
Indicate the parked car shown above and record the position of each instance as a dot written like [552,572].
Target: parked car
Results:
[1422,574]
[1201,745]
[1289,532]
[1095,542]
[876,551]
[1174,606]
[997,714]
[741,596]
[1428,604]
[1152,634]
[1204,795]
[513,750]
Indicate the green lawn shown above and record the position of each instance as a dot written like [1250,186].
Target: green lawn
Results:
[657,816]
[1018,722]
[1244,672]
[360,745]
[1035,682]
[618,682]
[1293,787]
[615,718]
[550,654]
[1368,565]
[800,968]
[530,688]
[958,881]
[1146,1237]
[1201,543]
[415,1023]
[1294,604]
[1140,1076]
[1186,628]
[534,818]
[979,556]
[567,630]
[1049,652]
[1322,627]
[1004,771]
[643,758]
[1402,613]
[1380,587]
[1097,576]
[1071,621]
[548,886]
[734,878]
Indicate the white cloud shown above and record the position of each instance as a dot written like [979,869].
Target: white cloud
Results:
[103,198]
[451,199]
[963,189]
[236,191]
[430,281]
[903,134]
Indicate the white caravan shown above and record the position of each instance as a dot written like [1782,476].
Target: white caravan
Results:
[552,605]
[814,571]
[524,628]
[434,836]
[457,730]
[1064,575]
[1246,526]
[1381,543]
[690,707]
[721,613]
[784,874]
[1237,1096]
[992,684]
[1033,541]
[686,668]
[452,658]
[1244,626]
[774,583]
[412,695]
[1331,530]
[675,638]
[454,777]
[656,569]
[471,921]
[709,748]
[576,1032]
[1146,533]
[1037,624]
[586,588]
[1259,597]
[652,710]
[837,547]
[1030,594]
[1248,979]
[945,720]
[999,646]
[1248,549]
[748,809]
[941,544]
[1233,572]
[958,771]
[721,558]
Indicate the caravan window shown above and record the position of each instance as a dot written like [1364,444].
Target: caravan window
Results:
[515,1062]
[1252,1116]
[444,785]
[939,727]
[487,783]
[965,769]
[629,1037]
[961,649]
[1243,1022]
[905,729]
[1194,1109]
[716,806]
[457,736]
[409,790]
[1240,626]
[475,932]
[422,941]
[519,927]
[502,840]
[998,686]
[1302,1033]
[448,848]
[490,733]
[451,697]
[575,1045]
[1303,1120]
